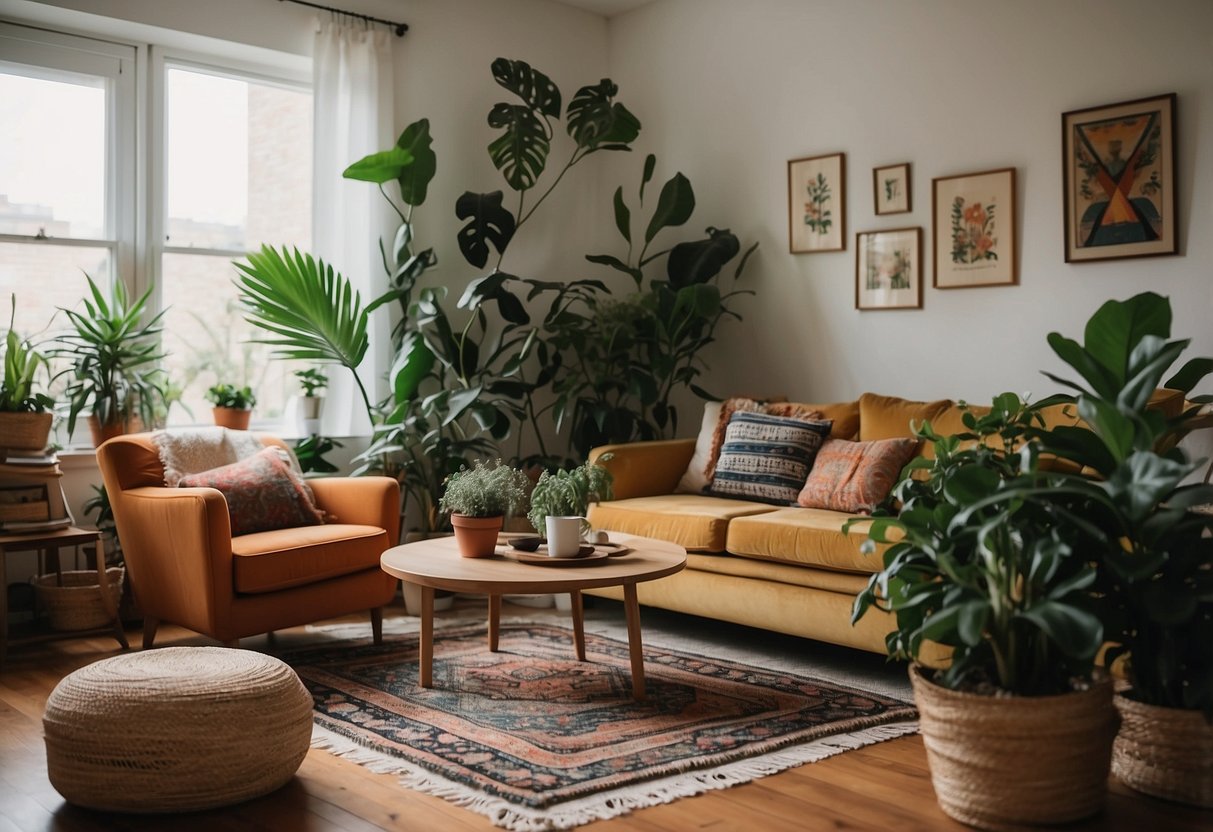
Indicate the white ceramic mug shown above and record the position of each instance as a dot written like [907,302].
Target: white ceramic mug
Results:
[564,536]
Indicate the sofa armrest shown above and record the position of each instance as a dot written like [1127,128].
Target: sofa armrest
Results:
[366,501]
[646,469]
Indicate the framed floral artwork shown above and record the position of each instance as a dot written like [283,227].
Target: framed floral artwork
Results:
[817,204]
[974,229]
[1119,166]
[888,269]
[891,189]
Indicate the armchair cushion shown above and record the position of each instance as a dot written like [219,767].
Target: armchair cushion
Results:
[279,559]
[262,492]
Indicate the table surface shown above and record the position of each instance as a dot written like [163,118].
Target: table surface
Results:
[437,563]
[69,536]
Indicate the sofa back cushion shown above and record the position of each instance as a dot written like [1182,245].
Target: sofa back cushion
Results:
[889,417]
[855,476]
[767,458]
[844,415]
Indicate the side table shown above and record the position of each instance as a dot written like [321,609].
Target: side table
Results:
[49,543]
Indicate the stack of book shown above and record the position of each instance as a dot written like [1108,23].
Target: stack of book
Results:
[31,493]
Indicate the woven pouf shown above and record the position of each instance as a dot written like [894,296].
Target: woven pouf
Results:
[176,729]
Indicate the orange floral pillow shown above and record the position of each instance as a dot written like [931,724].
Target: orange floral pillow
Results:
[263,493]
[855,476]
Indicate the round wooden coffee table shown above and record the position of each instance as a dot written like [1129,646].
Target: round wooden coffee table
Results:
[436,564]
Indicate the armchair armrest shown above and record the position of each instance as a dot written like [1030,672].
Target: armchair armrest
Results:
[366,501]
[177,543]
[646,469]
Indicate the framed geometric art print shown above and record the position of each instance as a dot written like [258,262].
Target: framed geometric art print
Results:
[1119,166]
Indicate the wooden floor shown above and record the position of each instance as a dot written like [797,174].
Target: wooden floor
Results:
[882,787]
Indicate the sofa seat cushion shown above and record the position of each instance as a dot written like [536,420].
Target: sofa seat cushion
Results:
[763,570]
[283,558]
[807,536]
[693,521]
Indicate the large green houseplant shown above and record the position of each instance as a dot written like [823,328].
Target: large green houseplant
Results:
[114,354]
[1155,553]
[1002,579]
[25,409]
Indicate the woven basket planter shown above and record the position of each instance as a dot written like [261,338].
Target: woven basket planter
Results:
[24,431]
[1164,752]
[76,604]
[1005,762]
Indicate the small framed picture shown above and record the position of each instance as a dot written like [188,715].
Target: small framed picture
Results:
[888,269]
[891,188]
[817,204]
[973,218]
[1119,166]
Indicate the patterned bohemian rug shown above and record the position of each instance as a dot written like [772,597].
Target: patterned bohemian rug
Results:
[536,740]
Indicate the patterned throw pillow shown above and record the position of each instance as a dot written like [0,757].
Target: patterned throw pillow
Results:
[262,493]
[855,476]
[766,458]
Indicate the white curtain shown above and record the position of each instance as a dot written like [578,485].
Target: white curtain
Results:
[352,74]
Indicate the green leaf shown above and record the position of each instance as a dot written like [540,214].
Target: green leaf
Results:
[413,363]
[650,164]
[702,260]
[458,402]
[1112,426]
[617,264]
[415,179]
[380,167]
[1191,374]
[1102,381]
[971,483]
[623,217]
[1117,327]
[521,151]
[1076,632]
[489,223]
[674,206]
[531,85]
[595,121]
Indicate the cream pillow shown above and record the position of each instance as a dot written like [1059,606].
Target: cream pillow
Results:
[695,480]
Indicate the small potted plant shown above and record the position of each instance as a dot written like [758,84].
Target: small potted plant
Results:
[233,406]
[1019,727]
[114,369]
[568,493]
[479,499]
[311,403]
[25,411]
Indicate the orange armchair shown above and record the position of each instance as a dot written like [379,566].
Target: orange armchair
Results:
[186,568]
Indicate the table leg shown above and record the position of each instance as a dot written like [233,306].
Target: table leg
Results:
[53,565]
[578,611]
[494,622]
[632,608]
[426,669]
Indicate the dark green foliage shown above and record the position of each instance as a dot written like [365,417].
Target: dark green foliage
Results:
[229,395]
[310,453]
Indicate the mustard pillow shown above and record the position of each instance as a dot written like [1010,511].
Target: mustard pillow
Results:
[844,415]
[889,417]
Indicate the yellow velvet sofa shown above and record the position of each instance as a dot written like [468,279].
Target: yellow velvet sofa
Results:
[791,570]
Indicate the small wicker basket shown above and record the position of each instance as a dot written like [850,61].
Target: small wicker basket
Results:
[24,431]
[1165,752]
[76,603]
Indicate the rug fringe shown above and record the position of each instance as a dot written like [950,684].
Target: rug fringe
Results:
[571,813]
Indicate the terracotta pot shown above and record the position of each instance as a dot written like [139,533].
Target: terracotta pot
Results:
[24,431]
[232,418]
[1164,752]
[109,430]
[1001,762]
[476,536]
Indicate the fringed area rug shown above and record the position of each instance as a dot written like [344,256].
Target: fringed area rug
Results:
[536,740]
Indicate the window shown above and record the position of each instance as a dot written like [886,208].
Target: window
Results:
[66,206]
[238,173]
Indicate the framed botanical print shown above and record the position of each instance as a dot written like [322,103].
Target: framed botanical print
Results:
[888,269]
[1119,167]
[891,189]
[817,204]
[973,217]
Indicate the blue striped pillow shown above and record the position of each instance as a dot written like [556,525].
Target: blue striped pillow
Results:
[767,458]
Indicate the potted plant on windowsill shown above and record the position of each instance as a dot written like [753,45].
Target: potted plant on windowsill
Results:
[233,406]
[25,411]
[1019,727]
[114,362]
[311,403]
[479,499]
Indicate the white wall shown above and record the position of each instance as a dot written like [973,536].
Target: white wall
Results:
[729,92]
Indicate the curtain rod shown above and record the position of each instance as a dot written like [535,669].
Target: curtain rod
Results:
[399,28]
